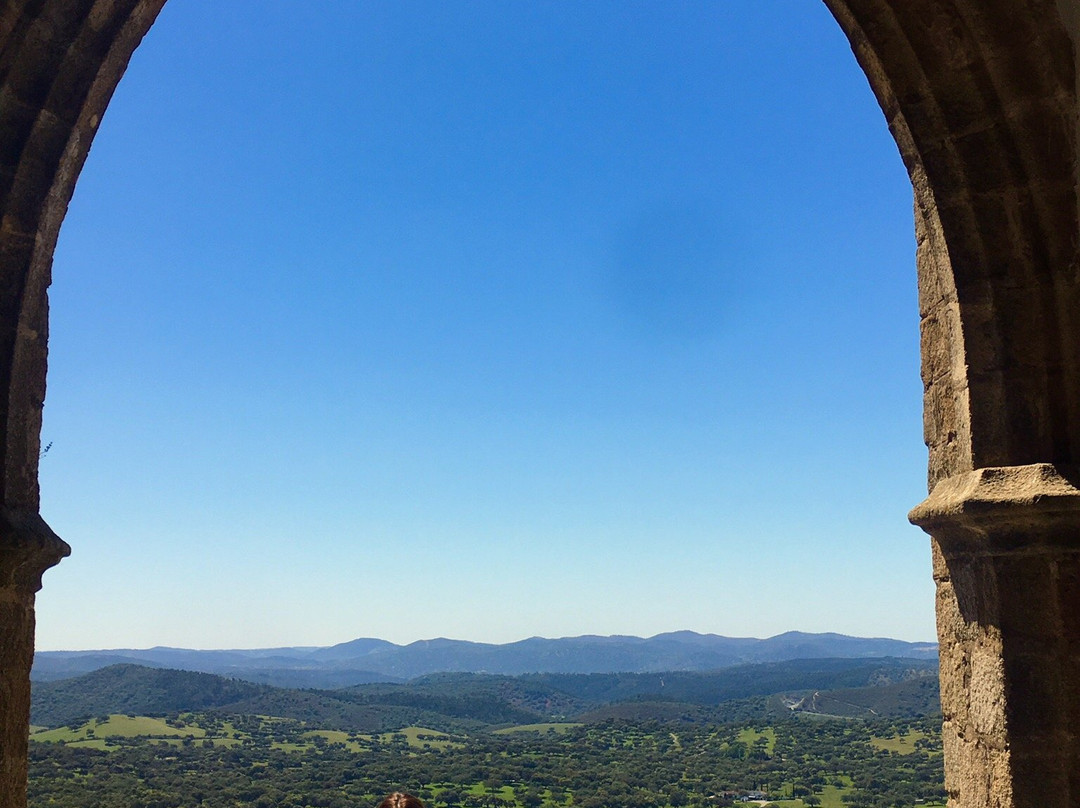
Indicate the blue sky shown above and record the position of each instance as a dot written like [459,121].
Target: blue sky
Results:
[485,320]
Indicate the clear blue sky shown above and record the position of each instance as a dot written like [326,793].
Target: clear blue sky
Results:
[485,320]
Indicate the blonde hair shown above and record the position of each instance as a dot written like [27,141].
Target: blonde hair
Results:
[401,800]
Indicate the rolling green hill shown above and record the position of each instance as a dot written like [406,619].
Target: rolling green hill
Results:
[134,690]
[913,698]
[739,682]
[465,702]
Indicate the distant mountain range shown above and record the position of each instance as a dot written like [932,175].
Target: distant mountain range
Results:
[368,660]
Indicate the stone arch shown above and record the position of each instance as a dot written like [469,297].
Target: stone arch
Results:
[60,61]
[980,96]
[981,99]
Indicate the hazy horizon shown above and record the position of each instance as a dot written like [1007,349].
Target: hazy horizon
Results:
[478,642]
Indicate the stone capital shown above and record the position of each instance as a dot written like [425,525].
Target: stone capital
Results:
[1004,510]
[28,547]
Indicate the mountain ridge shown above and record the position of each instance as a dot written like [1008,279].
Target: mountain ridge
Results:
[366,659]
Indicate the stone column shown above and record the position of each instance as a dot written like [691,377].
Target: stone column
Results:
[60,61]
[27,548]
[1006,547]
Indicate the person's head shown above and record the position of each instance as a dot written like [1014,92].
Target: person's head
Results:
[401,800]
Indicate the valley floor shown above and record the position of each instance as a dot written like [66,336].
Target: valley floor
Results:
[206,760]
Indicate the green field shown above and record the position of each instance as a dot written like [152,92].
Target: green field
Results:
[560,727]
[831,796]
[422,738]
[118,726]
[902,744]
[336,736]
[750,736]
[541,765]
[480,790]
[95,743]
[95,734]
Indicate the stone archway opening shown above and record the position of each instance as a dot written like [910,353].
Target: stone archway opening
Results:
[981,98]
[657,435]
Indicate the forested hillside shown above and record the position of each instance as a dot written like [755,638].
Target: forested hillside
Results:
[465,702]
[135,737]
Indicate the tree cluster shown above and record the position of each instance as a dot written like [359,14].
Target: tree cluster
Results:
[615,764]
